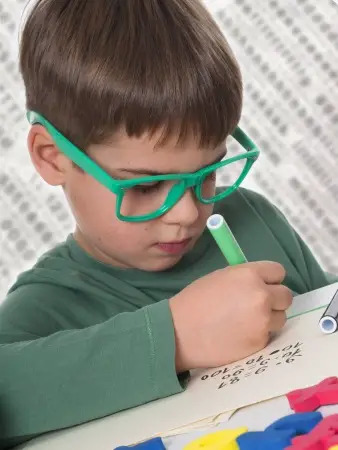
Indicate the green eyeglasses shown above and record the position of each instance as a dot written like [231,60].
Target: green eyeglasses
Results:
[146,198]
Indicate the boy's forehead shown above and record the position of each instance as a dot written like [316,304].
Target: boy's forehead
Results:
[125,152]
[154,140]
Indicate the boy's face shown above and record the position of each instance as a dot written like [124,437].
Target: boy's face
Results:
[153,245]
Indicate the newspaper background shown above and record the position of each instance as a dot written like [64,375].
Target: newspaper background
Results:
[288,52]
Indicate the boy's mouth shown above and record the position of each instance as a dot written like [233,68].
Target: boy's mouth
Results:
[174,247]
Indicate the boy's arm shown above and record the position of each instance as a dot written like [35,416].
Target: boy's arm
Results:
[76,375]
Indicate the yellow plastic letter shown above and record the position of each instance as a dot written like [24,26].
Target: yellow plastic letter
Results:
[220,440]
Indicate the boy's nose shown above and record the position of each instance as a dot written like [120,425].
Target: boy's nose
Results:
[185,212]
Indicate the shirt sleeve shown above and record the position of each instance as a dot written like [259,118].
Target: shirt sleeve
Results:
[76,375]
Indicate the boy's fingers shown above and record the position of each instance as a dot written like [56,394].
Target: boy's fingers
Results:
[281,297]
[269,271]
[278,320]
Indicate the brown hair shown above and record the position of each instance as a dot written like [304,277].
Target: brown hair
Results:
[93,67]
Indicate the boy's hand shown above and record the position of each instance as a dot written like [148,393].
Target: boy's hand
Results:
[228,314]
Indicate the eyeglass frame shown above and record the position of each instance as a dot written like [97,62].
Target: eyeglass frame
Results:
[185,180]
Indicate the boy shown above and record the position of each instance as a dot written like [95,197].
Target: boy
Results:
[139,294]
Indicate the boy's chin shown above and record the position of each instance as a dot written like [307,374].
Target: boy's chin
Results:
[160,264]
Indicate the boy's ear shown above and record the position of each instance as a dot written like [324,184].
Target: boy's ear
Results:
[51,164]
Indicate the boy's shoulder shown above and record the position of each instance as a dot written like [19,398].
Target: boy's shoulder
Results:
[54,294]
[246,202]
[28,309]
[50,261]
[255,220]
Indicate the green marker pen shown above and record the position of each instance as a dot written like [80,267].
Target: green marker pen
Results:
[226,240]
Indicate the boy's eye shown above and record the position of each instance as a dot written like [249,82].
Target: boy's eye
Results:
[147,188]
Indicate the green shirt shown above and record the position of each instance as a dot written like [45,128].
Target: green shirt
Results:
[80,339]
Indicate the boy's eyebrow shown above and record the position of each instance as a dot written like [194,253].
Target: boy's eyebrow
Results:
[156,172]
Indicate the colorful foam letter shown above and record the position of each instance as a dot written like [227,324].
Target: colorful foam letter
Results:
[220,440]
[322,437]
[152,444]
[311,398]
[279,434]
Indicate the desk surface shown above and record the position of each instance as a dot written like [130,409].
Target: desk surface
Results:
[98,435]
[107,433]
[255,417]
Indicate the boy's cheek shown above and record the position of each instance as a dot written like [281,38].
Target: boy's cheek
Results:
[89,203]
[205,212]
[94,209]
